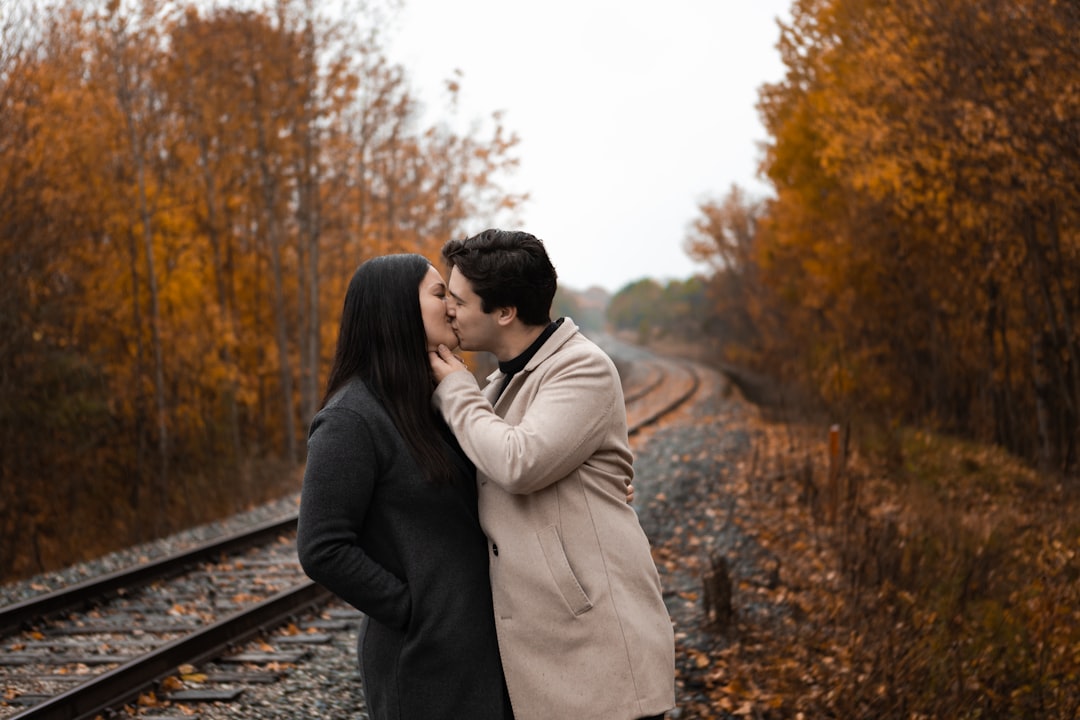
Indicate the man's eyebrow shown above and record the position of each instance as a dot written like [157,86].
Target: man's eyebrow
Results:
[455,295]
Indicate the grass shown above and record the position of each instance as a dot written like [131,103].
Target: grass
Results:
[985,588]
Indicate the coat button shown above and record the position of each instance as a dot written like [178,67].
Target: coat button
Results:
[494,548]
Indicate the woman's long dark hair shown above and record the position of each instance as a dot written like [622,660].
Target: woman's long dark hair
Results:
[382,340]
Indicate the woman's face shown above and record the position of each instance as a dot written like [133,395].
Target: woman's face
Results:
[433,310]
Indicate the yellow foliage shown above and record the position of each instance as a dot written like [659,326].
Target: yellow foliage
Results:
[184,198]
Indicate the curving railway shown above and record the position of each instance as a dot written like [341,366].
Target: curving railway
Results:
[79,651]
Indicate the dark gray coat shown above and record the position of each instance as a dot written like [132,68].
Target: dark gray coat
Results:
[410,555]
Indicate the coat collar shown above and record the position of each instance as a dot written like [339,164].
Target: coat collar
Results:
[565,331]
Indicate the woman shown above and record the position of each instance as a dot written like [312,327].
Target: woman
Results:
[388,513]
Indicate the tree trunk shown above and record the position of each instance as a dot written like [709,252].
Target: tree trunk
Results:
[1043,413]
[314,344]
[1071,433]
[226,309]
[274,232]
[137,486]
[310,230]
[125,96]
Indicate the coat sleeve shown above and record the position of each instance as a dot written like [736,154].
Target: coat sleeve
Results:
[564,424]
[338,484]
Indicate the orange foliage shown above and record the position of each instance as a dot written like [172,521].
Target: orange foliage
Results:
[921,257]
[184,194]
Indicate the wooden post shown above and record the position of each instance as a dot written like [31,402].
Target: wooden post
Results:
[834,472]
[717,590]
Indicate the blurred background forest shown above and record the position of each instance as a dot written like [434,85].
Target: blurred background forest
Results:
[185,192]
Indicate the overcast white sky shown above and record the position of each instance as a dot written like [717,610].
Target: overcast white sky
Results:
[630,113]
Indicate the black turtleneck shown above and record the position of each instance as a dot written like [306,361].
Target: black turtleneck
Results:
[514,366]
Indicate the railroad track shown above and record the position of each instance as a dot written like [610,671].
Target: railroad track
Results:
[671,385]
[653,385]
[655,374]
[77,652]
[99,643]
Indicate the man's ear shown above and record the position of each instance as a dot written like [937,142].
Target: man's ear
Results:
[505,315]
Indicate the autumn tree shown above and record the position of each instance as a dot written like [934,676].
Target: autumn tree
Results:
[186,192]
[27,364]
[674,310]
[723,237]
[918,266]
[924,157]
[587,308]
[916,272]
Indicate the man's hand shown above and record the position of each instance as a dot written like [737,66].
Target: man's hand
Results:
[444,362]
[629,493]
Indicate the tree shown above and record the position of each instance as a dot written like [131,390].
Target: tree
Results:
[184,193]
[723,237]
[130,51]
[924,162]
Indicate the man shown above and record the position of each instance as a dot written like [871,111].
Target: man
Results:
[582,626]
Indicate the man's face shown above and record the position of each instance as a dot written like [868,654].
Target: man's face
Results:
[475,329]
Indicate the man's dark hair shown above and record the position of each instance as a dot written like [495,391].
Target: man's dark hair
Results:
[507,268]
[382,341]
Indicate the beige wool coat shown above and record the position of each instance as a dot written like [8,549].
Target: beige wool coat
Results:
[583,630]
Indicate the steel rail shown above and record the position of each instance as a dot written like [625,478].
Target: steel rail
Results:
[14,616]
[670,407]
[638,393]
[116,686]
